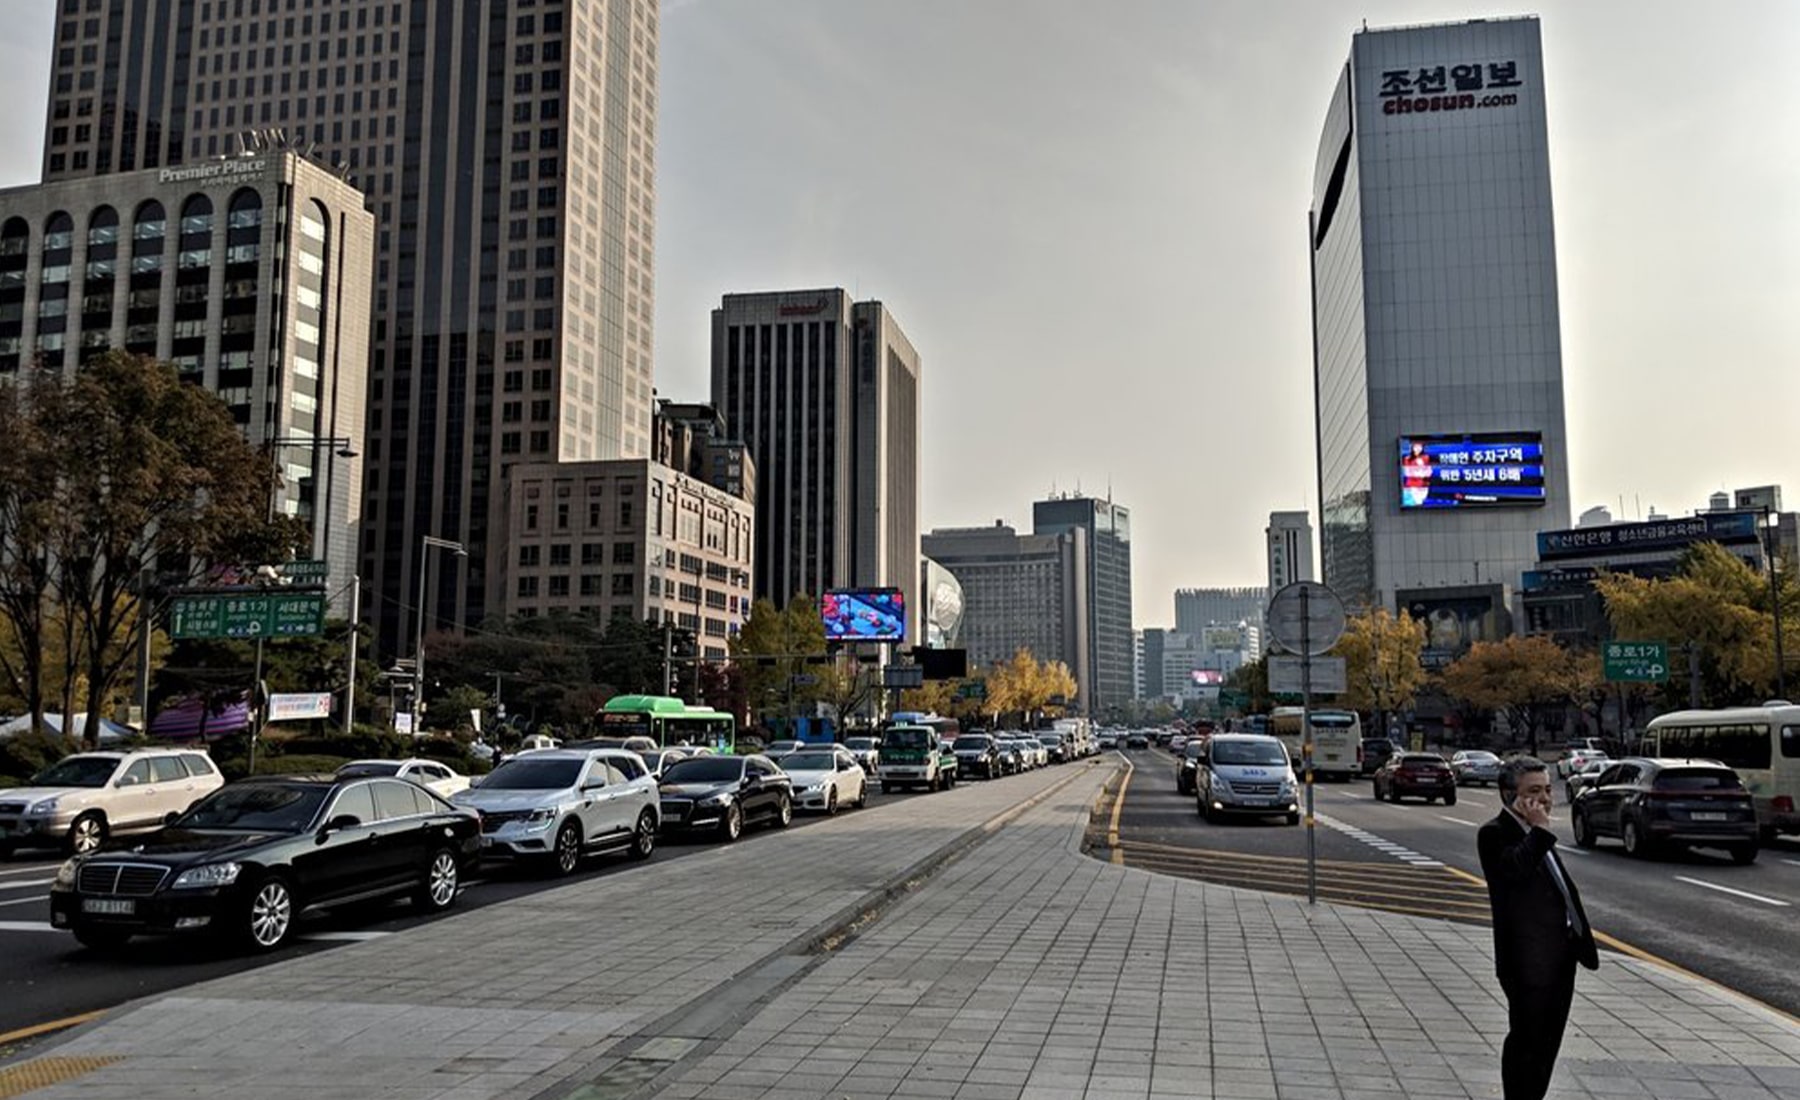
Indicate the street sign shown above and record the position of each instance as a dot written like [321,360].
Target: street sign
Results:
[305,571]
[295,707]
[1635,662]
[247,615]
[903,676]
[1232,698]
[973,689]
[1329,675]
[403,721]
[1306,617]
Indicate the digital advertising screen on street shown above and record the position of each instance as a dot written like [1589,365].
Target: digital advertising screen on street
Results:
[1484,470]
[864,615]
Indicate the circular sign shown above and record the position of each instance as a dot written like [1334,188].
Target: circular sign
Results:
[1306,618]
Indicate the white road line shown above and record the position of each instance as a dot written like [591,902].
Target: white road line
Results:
[37,870]
[348,937]
[1380,844]
[1458,820]
[26,901]
[1582,852]
[27,882]
[27,926]
[1729,890]
[1795,862]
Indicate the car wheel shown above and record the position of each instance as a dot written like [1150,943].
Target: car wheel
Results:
[6,851]
[1450,799]
[1206,811]
[862,796]
[101,939]
[731,826]
[1584,832]
[1635,842]
[784,812]
[1569,793]
[643,836]
[86,834]
[566,856]
[269,916]
[831,803]
[1743,854]
[438,892]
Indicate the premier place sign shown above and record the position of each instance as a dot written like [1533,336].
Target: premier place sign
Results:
[216,173]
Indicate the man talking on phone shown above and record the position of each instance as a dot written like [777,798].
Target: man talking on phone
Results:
[1540,930]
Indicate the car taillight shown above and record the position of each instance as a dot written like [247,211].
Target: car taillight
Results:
[1782,804]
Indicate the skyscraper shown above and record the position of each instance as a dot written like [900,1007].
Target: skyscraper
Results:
[1108,532]
[825,394]
[1198,608]
[1436,346]
[1290,546]
[507,152]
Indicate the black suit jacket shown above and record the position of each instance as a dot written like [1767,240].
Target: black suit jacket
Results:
[1532,945]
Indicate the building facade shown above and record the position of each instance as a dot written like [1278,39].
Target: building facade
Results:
[1021,592]
[1435,316]
[1198,608]
[824,393]
[508,156]
[1107,530]
[251,275]
[625,537]
[1288,540]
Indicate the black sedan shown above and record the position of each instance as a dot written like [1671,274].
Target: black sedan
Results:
[1650,804]
[248,860]
[725,793]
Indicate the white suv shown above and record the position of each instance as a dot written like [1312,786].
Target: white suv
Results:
[80,800]
[555,805]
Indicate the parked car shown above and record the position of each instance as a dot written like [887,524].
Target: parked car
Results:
[1031,753]
[726,794]
[440,779]
[977,754]
[1375,752]
[1187,765]
[909,758]
[554,806]
[1584,778]
[866,750]
[1419,774]
[1652,803]
[826,778]
[1246,773]
[1475,766]
[1006,757]
[81,800]
[1056,749]
[251,858]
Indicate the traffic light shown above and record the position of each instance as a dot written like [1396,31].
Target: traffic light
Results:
[683,645]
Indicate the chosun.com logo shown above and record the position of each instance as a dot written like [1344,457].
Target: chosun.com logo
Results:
[1462,101]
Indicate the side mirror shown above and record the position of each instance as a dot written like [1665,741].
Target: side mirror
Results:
[171,818]
[339,823]
[127,781]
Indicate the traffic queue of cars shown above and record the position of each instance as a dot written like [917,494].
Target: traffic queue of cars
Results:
[160,843]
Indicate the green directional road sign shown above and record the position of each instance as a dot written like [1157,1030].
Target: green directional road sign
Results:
[248,615]
[1635,662]
[314,572]
[1232,698]
[972,689]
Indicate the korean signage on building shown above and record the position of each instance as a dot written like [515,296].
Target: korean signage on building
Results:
[1459,86]
[1662,534]
[1476,470]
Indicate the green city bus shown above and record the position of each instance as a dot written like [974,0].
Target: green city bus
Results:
[667,721]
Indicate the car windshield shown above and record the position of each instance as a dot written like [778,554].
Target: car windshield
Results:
[1193,749]
[279,807]
[77,771]
[1051,740]
[1698,779]
[907,739]
[1249,752]
[719,769]
[810,762]
[1481,758]
[359,771]
[971,744]
[526,774]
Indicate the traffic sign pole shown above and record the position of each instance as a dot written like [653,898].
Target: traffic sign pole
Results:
[1306,744]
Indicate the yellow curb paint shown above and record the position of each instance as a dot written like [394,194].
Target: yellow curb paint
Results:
[46,1028]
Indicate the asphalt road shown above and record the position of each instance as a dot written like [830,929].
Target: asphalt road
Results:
[1734,925]
[49,977]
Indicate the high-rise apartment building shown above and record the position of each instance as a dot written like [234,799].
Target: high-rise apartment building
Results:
[1198,608]
[1436,346]
[824,392]
[1107,527]
[1290,548]
[1022,592]
[508,154]
[250,275]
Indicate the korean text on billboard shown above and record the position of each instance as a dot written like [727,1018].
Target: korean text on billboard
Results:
[1499,469]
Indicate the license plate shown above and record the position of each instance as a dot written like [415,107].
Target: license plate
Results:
[117,907]
[1704,816]
[1256,802]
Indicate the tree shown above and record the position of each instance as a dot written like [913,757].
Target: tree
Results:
[1381,658]
[1252,680]
[136,472]
[1516,677]
[1716,603]
[935,697]
[775,646]
[27,509]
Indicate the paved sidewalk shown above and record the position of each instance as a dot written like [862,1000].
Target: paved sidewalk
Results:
[1021,969]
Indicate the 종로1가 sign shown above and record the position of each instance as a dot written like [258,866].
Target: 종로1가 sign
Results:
[1635,662]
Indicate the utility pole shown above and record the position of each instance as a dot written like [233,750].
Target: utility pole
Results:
[1693,656]
[350,655]
[668,633]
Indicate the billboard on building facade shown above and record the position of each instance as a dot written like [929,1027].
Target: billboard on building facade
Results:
[864,615]
[1473,470]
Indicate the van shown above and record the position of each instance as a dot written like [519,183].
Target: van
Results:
[910,758]
[1246,774]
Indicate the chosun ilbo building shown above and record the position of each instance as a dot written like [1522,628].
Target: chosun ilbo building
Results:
[250,274]
[1437,348]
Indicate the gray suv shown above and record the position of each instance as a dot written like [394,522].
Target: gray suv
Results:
[79,801]
[552,806]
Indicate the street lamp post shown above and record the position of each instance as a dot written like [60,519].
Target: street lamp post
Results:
[1771,540]
[425,544]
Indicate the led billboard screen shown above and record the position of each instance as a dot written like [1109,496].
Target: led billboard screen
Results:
[864,615]
[1486,470]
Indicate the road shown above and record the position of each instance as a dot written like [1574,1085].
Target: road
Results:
[49,977]
[1731,924]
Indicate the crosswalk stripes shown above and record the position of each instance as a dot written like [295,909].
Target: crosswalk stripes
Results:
[1380,844]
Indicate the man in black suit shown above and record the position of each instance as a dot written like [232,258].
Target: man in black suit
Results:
[1540,930]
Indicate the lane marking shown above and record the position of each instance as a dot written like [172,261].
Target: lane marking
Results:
[1112,830]
[1730,890]
[53,1025]
[27,901]
[1379,843]
[343,937]
[27,882]
[1795,862]
[1458,820]
[27,926]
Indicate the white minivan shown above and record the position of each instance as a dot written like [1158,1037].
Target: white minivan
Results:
[1246,774]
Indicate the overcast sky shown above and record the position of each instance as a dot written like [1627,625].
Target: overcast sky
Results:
[1089,218]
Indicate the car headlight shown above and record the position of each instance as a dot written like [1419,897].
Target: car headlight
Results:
[715,801]
[814,788]
[46,806]
[211,874]
[65,875]
[540,819]
[1221,786]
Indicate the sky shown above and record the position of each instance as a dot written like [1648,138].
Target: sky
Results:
[1089,219]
